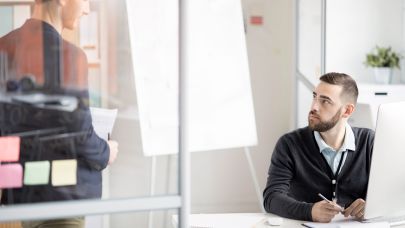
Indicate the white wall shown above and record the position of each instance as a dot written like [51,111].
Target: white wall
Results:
[355,28]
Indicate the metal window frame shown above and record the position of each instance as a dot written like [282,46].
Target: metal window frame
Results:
[54,210]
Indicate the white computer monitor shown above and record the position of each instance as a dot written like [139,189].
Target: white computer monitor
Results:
[386,188]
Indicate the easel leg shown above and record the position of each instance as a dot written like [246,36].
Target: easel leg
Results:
[168,181]
[152,188]
[254,178]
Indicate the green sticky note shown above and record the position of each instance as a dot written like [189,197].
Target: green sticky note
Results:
[36,173]
[64,172]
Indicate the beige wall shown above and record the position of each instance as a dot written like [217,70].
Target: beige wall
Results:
[221,181]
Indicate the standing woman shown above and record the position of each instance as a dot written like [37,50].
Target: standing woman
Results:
[37,51]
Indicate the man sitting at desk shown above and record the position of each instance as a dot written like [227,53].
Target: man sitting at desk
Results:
[327,157]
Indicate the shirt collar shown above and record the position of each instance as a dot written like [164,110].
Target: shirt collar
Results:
[348,144]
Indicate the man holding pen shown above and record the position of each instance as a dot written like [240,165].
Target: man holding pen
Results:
[321,170]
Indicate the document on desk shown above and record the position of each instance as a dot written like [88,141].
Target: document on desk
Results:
[341,222]
[103,121]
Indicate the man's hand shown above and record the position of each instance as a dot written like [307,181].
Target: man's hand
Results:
[113,145]
[323,211]
[356,209]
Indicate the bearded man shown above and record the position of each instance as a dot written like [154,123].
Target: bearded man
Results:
[328,157]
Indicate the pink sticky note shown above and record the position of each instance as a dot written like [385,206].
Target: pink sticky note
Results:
[11,176]
[9,148]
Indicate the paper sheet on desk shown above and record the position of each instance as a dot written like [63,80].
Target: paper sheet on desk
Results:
[103,121]
[341,222]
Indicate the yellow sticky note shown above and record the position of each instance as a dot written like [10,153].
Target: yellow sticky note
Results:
[64,172]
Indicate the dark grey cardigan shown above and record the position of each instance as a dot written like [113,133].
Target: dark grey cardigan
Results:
[298,172]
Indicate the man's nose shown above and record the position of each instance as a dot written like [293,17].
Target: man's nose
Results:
[86,7]
[314,105]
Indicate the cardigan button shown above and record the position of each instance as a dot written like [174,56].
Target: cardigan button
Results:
[333,181]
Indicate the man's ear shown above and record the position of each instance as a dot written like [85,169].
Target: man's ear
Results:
[348,111]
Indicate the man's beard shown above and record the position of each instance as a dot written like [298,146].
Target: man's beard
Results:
[323,126]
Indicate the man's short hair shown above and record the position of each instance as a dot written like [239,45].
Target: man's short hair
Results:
[350,90]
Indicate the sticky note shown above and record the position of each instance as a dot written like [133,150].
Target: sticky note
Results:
[9,148]
[11,176]
[36,173]
[64,172]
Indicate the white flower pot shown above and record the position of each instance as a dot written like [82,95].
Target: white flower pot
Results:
[383,75]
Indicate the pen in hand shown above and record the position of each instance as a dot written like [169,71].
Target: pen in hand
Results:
[324,198]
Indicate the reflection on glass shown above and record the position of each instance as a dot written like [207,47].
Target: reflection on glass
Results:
[51,80]
[146,95]
[46,125]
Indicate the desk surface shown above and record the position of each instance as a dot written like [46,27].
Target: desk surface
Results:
[239,220]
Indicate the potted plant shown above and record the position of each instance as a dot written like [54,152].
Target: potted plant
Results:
[383,60]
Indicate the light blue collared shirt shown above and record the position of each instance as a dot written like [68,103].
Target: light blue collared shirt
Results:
[332,156]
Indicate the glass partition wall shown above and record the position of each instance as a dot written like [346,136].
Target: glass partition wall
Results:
[71,98]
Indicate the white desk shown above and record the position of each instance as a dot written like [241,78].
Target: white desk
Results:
[234,220]
[239,220]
